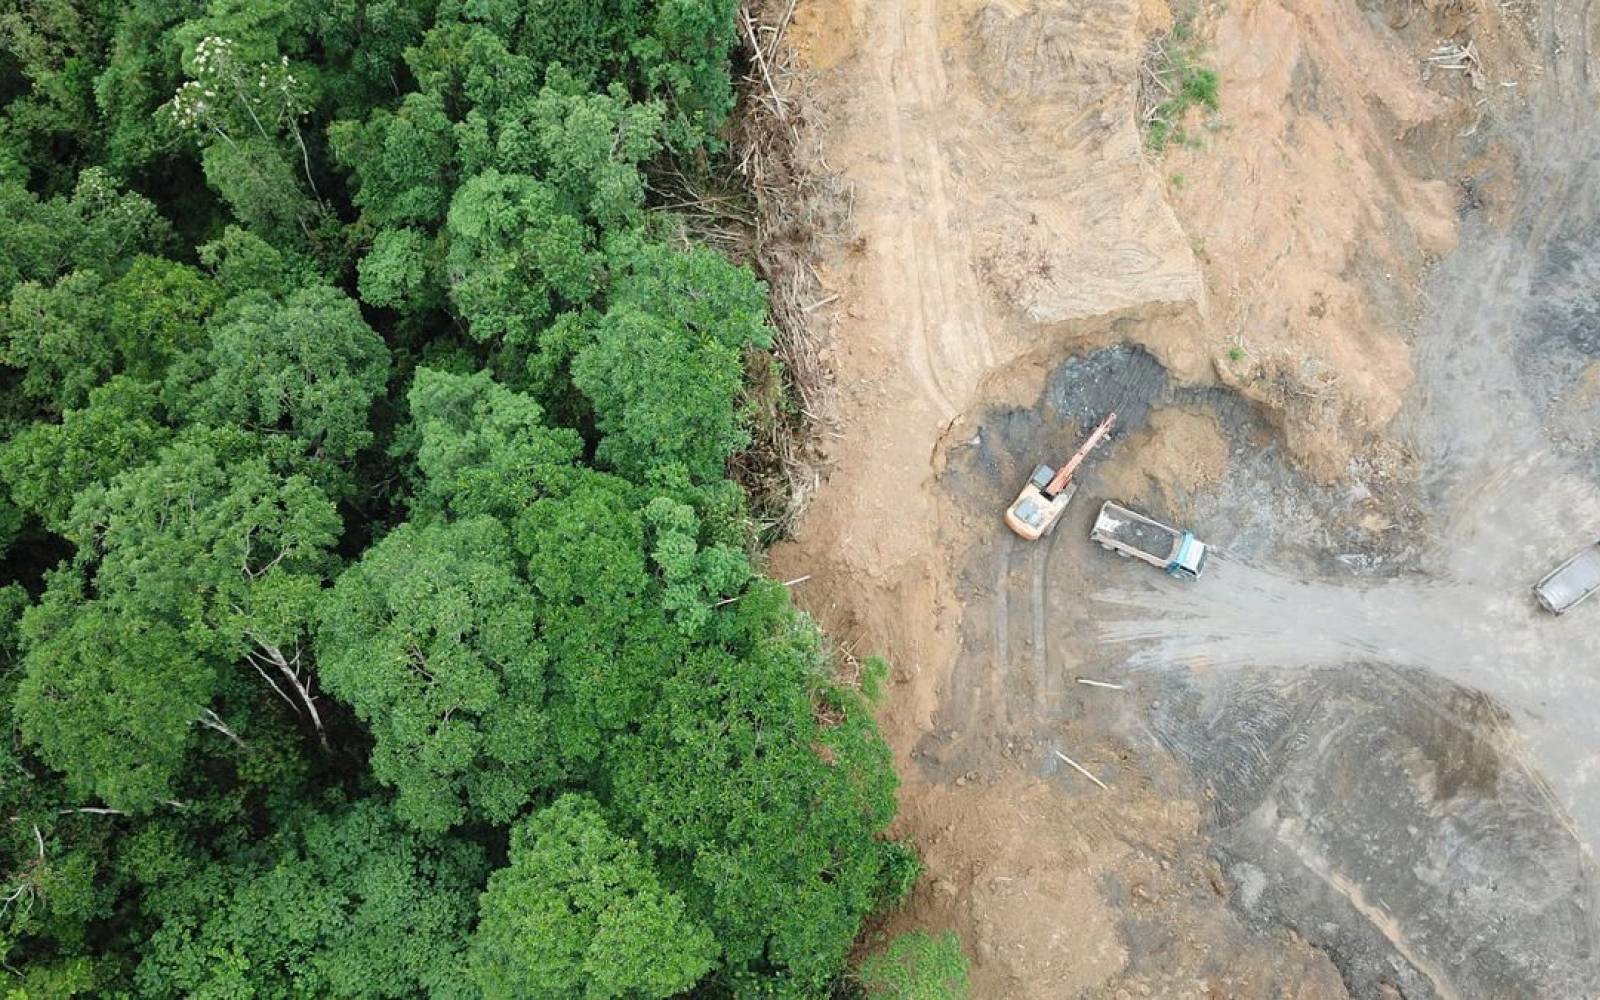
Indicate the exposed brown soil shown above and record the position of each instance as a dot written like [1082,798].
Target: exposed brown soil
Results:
[1316,197]
[1179,452]
[1006,213]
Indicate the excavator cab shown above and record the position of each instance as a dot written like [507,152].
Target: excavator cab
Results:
[1034,514]
[1035,511]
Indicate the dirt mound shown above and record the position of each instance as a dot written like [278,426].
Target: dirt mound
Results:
[1179,453]
[825,35]
[1070,224]
[1086,910]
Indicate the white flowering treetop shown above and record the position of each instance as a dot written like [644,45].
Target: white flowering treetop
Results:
[228,93]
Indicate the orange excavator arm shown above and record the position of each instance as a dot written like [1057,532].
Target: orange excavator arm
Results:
[1064,474]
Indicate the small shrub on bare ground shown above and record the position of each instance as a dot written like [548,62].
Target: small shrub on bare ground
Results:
[1174,79]
[917,966]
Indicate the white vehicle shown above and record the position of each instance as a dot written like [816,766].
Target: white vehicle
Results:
[1127,533]
[1570,582]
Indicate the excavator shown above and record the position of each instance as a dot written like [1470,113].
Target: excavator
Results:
[1038,507]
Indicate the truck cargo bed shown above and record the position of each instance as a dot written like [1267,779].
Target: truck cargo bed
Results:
[1136,533]
[1574,580]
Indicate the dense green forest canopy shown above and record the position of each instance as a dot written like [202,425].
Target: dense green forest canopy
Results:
[377,616]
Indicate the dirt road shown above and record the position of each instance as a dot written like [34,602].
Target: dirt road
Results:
[1354,760]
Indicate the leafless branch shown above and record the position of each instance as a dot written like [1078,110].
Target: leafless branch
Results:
[212,720]
[761,61]
[301,685]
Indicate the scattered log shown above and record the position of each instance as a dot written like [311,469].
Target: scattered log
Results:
[1082,770]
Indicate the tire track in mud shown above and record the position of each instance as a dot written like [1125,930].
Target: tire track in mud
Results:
[1000,675]
[932,88]
[949,350]
[1293,834]
[1037,615]
[1021,671]
[1021,678]
[959,284]
[920,356]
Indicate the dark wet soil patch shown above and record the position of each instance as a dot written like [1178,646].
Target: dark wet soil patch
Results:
[1384,814]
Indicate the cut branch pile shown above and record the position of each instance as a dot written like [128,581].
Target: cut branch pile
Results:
[799,204]
[1154,89]
[1459,58]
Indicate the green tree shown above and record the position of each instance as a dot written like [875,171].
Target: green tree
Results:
[308,366]
[185,538]
[694,577]
[59,338]
[143,67]
[685,58]
[52,45]
[515,258]
[157,312]
[731,776]
[402,271]
[673,49]
[47,465]
[364,44]
[56,882]
[588,37]
[348,904]
[96,229]
[241,262]
[13,601]
[185,567]
[258,181]
[917,966]
[11,522]
[578,911]
[110,699]
[599,612]
[468,65]
[404,161]
[587,146]
[71,336]
[665,368]
[431,639]
[484,449]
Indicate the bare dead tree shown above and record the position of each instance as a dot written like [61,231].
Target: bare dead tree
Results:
[266,655]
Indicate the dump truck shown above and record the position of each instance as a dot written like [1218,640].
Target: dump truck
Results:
[1131,534]
[1571,582]
[1039,506]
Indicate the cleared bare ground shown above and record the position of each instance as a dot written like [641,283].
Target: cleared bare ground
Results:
[1356,347]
